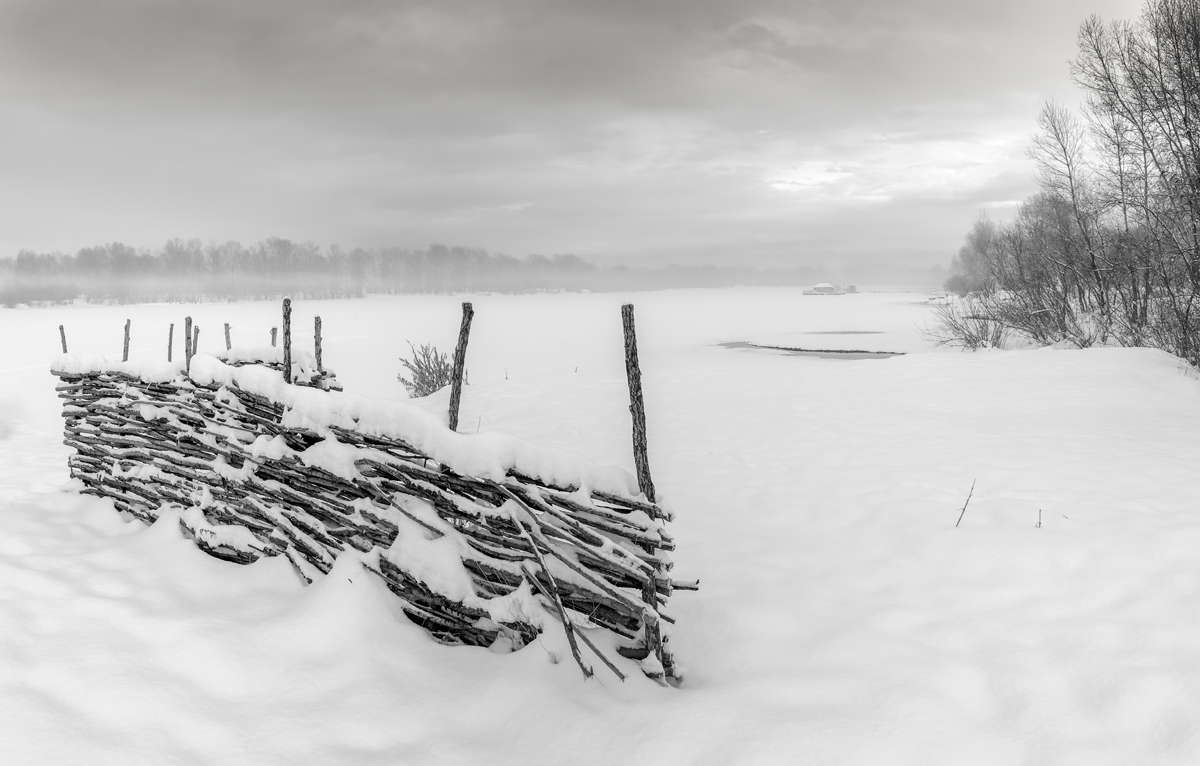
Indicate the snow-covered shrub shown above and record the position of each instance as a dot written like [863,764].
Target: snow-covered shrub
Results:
[431,371]
[967,322]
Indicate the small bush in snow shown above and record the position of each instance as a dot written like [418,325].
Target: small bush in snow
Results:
[967,322]
[431,371]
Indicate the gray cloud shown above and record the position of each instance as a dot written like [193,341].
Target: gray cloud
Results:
[772,130]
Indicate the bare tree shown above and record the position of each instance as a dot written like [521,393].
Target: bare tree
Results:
[1109,248]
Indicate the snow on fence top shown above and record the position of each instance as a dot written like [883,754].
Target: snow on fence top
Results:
[479,535]
[490,455]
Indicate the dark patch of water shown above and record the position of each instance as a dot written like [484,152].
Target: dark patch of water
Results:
[820,353]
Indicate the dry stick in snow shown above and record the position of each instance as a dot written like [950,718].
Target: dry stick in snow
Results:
[636,408]
[287,340]
[125,351]
[170,340]
[317,344]
[571,628]
[964,510]
[187,343]
[228,345]
[62,334]
[568,626]
[273,331]
[558,604]
[598,653]
[460,358]
[195,340]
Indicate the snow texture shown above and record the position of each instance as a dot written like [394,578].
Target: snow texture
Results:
[843,619]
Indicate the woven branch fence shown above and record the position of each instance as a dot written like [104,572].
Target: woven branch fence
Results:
[257,469]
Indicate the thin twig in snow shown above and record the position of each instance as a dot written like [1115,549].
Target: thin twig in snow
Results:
[964,510]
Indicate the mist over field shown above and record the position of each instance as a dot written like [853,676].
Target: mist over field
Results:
[189,270]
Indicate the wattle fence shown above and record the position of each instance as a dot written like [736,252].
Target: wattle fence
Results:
[480,536]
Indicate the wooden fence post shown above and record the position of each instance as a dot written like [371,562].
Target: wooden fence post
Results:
[187,343]
[317,345]
[170,340]
[195,340]
[636,408]
[62,334]
[460,358]
[287,340]
[274,330]
[228,345]
[125,351]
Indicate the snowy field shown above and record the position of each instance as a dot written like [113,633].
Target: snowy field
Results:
[842,618]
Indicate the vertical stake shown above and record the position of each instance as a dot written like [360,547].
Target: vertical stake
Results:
[317,345]
[228,345]
[62,334]
[125,352]
[187,343]
[287,340]
[195,340]
[273,331]
[636,408]
[170,340]
[460,358]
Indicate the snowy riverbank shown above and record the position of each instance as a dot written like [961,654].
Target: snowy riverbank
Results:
[848,622]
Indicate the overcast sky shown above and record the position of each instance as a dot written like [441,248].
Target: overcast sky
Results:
[770,132]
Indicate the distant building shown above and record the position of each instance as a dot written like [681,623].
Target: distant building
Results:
[824,288]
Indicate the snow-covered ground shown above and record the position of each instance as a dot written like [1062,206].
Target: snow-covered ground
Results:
[842,618]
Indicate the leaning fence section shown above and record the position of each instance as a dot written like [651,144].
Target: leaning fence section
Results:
[483,539]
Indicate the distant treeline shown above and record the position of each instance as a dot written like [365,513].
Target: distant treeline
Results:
[189,271]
